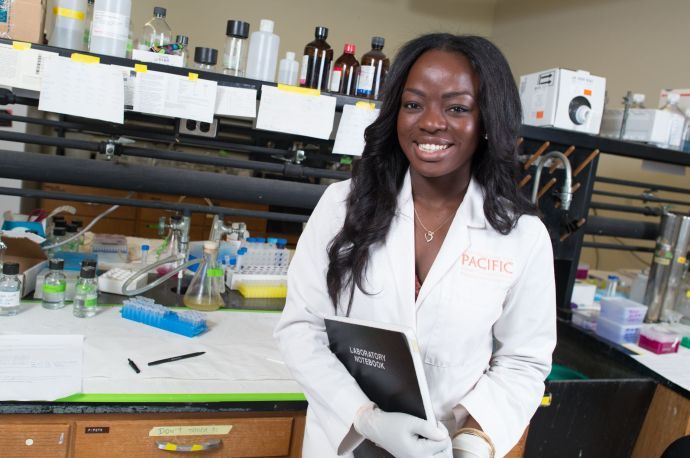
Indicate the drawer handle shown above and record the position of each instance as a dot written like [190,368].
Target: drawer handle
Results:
[173,447]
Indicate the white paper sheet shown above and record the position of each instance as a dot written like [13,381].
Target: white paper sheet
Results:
[128,79]
[236,101]
[22,68]
[350,136]
[40,367]
[92,91]
[241,354]
[173,95]
[294,113]
[673,366]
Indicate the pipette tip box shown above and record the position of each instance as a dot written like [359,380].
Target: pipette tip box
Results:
[144,310]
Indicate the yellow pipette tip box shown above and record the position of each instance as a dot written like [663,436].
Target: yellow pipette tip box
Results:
[262,290]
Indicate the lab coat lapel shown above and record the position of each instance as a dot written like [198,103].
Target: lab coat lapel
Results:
[399,249]
[470,214]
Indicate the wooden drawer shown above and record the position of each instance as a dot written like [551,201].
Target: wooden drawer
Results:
[34,440]
[248,437]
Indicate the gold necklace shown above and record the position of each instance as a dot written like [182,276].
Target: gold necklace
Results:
[429,235]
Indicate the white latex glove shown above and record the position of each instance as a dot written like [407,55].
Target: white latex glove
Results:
[403,435]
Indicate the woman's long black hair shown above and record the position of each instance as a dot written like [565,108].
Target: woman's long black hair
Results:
[379,175]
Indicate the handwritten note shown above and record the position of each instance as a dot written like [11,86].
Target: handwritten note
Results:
[172,95]
[350,136]
[22,68]
[89,90]
[40,367]
[236,101]
[295,113]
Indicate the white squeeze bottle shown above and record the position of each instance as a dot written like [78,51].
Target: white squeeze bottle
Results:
[70,20]
[263,53]
[288,70]
[110,27]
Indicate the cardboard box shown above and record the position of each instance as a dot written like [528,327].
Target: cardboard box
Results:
[24,248]
[566,99]
[644,125]
[26,20]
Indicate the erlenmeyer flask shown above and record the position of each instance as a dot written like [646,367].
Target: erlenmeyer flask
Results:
[204,290]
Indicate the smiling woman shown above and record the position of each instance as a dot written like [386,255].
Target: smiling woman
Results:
[431,233]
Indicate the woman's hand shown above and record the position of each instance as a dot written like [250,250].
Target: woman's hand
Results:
[403,435]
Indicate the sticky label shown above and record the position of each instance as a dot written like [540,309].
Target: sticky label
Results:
[365,105]
[195,430]
[588,92]
[21,45]
[85,59]
[215,272]
[540,114]
[140,68]
[193,76]
[681,259]
[299,90]
[546,400]
[97,430]
[66,12]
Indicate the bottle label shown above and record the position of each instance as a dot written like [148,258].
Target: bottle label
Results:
[59,288]
[109,25]
[90,301]
[9,298]
[365,83]
[217,272]
[303,70]
[54,293]
[335,79]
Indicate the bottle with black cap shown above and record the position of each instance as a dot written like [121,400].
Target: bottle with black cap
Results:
[85,303]
[205,59]
[156,32]
[235,55]
[373,70]
[183,42]
[10,289]
[316,62]
[54,285]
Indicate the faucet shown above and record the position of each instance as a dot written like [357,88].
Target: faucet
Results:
[565,195]
[179,239]
[219,229]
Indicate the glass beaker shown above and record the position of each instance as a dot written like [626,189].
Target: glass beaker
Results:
[204,291]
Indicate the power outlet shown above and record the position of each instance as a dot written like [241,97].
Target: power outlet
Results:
[197,128]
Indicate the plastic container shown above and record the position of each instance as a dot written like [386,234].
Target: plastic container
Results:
[623,311]
[69,23]
[288,70]
[156,31]
[659,340]
[345,68]
[235,55]
[316,61]
[262,58]
[616,332]
[585,319]
[110,27]
[611,285]
[678,122]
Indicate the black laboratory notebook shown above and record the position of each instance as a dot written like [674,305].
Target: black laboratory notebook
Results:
[384,360]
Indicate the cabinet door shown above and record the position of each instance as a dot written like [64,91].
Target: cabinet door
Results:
[239,437]
[35,441]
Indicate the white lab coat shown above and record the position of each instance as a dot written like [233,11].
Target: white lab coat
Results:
[485,320]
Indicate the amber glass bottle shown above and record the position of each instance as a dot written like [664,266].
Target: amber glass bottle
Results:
[373,70]
[344,76]
[316,62]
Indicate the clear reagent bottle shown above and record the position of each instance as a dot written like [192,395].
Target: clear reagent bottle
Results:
[110,28]
[54,285]
[85,303]
[205,59]
[10,289]
[68,29]
[156,31]
[235,55]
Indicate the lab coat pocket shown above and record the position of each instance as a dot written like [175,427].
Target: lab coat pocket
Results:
[465,312]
